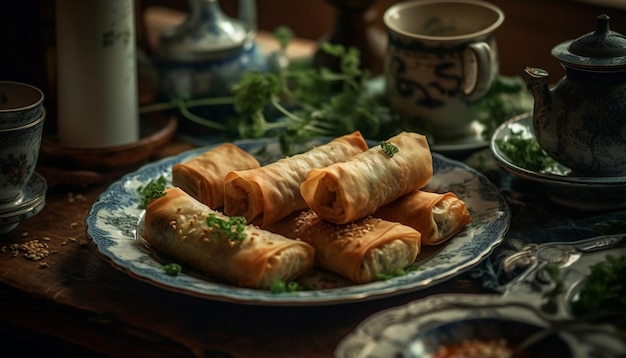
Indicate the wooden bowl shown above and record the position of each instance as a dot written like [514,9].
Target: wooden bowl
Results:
[156,130]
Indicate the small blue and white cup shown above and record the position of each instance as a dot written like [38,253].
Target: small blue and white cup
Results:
[20,104]
[19,152]
[441,58]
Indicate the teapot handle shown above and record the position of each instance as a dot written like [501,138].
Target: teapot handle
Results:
[478,56]
[248,15]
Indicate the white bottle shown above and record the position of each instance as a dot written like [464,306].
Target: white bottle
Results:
[97,73]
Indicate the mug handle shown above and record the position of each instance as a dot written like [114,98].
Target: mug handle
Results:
[477,56]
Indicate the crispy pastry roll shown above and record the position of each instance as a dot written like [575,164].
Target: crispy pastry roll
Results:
[356,188]
[176,225]
[267,194]
[359,251]
[203,176]
[438,216]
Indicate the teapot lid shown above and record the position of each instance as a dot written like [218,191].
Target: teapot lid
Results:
[602,48]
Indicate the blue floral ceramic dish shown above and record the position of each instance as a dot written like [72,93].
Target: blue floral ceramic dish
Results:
[112,224]
[419,328]
[19,152]
[20,104]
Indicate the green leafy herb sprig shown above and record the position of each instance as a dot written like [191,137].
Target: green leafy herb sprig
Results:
[154,189]
[605,289]
[309,101]
[389,148]
[234,227]
[312,101]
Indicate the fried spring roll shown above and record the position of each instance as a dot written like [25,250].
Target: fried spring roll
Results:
[267,194]
[203,176]
[176,225]
[356,188]
[359,251]
[438,216]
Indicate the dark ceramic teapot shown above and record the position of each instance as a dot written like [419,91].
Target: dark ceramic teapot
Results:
[581,121]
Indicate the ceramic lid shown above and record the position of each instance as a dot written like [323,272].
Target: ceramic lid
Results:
[206,33]
[602,48]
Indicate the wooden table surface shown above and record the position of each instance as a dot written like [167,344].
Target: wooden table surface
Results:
[75,301]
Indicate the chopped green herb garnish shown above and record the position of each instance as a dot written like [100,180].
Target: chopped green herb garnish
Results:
[172,269]
[389,148]
[279,286]
[154,189]
[526,153]
[233,227]
[397,272]
[605,289]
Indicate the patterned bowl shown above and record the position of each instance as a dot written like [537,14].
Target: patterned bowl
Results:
[20,104]
[486,336]
[19,152]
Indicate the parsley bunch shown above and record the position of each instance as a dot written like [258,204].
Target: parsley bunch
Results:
[298,102]
[312,102]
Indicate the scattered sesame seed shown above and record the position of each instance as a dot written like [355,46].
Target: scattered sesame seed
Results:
[71,197]
[33,249]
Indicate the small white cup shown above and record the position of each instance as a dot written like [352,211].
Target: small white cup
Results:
[441,58]
[19,152]
[20,104]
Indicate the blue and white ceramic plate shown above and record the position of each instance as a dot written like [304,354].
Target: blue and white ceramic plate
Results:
[579,192]
[419,328]
[112,224]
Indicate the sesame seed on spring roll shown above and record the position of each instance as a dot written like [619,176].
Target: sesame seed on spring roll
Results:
[267,194]
[353,189]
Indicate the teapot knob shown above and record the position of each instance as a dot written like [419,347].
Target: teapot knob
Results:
[602,43]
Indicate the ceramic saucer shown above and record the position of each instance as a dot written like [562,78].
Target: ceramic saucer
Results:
[462,147]
[28,204]
[577,192]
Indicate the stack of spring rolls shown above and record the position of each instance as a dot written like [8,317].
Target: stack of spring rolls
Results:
[357,211]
